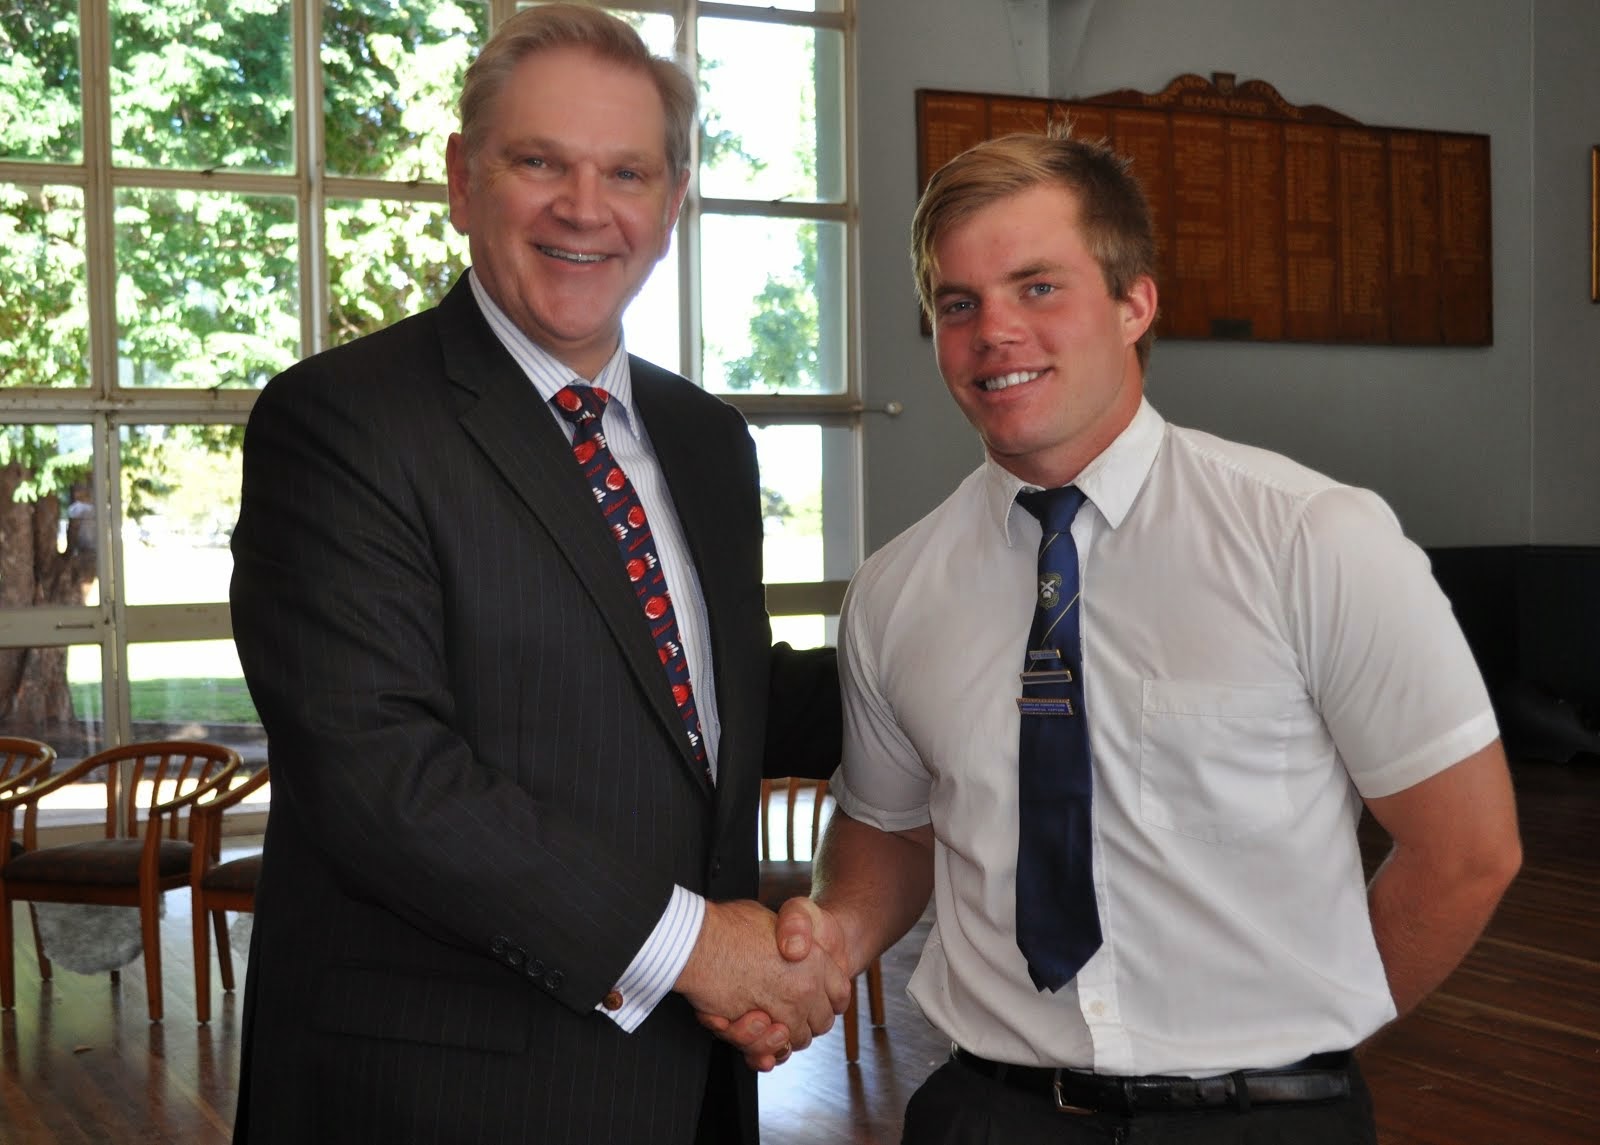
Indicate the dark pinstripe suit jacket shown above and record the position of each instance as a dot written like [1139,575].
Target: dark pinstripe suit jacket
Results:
[481,790]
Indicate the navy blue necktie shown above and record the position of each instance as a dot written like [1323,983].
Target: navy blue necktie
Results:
[1058,926]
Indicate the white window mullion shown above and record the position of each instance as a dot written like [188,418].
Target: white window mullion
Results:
[311,195]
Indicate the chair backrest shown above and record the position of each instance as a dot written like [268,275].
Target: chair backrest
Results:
[23,761]
[809,794]
[161,772]
[164,777]
[206,818]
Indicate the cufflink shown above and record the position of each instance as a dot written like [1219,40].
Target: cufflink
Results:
[613,1001]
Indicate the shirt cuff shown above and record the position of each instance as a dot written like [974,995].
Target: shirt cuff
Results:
[649,977]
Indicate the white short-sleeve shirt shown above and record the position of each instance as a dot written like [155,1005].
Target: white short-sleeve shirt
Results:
[1262,647]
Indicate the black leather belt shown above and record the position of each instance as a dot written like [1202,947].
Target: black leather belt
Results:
[1323,1077]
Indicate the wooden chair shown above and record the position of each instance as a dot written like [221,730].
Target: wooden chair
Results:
[24,762]
[120,869]
[784,879]
[216,887]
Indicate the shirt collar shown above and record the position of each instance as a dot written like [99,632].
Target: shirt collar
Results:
[548,374]
[1111,481]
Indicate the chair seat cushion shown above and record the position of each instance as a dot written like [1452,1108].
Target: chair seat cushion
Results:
[16,848]
[100,862]
[236,875]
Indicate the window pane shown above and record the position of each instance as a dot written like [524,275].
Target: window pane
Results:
[773,305]
[43,81]
[388,259]
[202,85]
[790,5]
[801,631]
[47,520]
[180,498]
[207,288]
[656,29]
[773,110]
[808,504]
[44,324]
[650,324]
[61,704]
[391,74]
[193,689]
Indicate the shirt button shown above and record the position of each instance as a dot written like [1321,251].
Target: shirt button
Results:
[613,1001]
[1098,1009]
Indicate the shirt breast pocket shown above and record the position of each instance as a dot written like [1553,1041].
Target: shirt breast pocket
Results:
[1213,757]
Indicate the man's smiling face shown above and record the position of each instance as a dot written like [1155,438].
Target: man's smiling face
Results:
[568,202]
[1036,352]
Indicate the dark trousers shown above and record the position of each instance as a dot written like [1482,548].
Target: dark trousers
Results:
[957,1106]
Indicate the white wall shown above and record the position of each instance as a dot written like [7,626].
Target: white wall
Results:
[1566,324]
[1470,445]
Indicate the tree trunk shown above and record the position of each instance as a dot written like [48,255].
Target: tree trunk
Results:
[35,572]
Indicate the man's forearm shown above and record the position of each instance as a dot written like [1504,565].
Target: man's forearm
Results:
[1425,921]
[874,883]
[1455,851]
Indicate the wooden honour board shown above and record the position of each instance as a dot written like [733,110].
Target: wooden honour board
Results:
[1276,223]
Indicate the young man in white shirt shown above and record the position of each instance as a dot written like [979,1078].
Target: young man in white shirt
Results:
[1262,652]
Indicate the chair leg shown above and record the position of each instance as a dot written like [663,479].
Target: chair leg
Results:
[202,961]
[875,991]
[38,944]
[219,919]
[150,927]
[8,971]
[852,1035]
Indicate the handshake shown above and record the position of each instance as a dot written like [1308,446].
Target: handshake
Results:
[768,983]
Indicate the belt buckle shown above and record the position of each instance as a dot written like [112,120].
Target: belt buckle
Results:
[1061,1104]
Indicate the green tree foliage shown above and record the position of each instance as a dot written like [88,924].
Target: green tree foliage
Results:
[392,70]
[202,84]
[783,329]
[41,79]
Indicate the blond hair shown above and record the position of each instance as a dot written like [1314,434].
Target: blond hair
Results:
[1113,213]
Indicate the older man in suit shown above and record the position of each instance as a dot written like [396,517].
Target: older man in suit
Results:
[498,596]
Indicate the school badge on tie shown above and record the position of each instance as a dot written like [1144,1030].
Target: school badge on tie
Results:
[1049,590]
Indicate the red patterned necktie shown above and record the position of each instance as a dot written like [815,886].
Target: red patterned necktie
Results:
[583,406]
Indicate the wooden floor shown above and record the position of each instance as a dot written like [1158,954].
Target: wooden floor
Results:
[1507,1053]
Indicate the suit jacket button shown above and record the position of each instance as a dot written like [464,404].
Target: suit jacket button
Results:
[515,957]
[553,980]
[498,945]
[535,969]
[613,1001]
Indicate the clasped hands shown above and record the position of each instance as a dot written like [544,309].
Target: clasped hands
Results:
[767,983]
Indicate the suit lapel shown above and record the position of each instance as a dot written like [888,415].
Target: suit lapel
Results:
[521,439]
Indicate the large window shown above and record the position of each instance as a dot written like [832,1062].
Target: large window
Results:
[196,193]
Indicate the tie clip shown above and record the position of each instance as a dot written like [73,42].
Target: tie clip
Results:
[1044,705]
[1037,654]
[1045,676]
